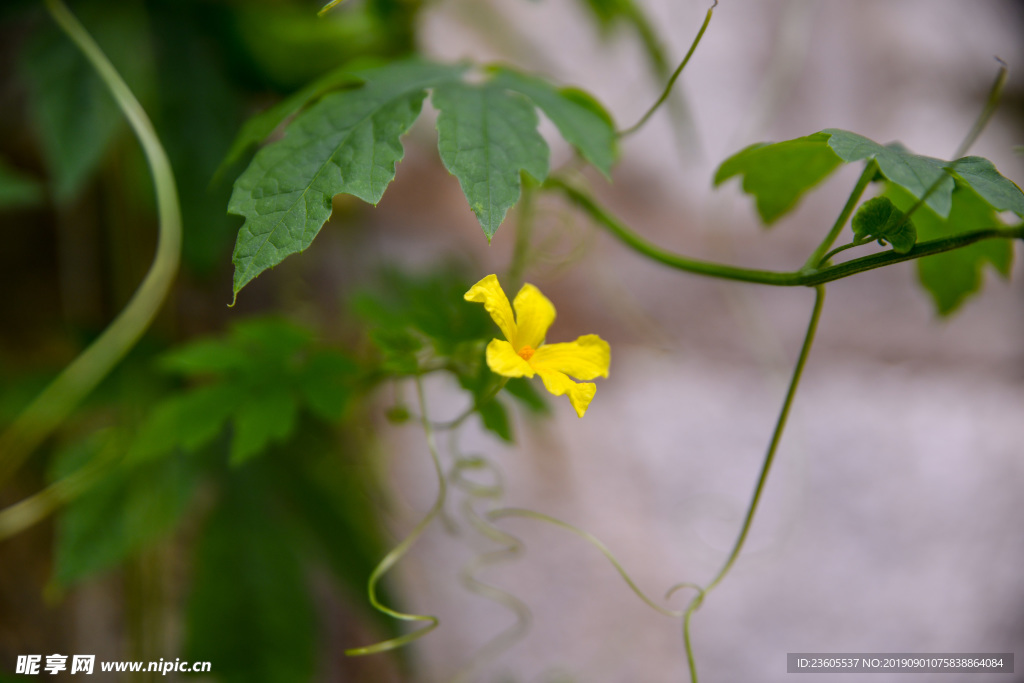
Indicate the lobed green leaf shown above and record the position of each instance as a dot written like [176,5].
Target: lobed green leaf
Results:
[981,174]
[263,373]
[486,136]
[581,119]
[914,173]
[951,277]
[879,219]
[258,128]
[129,509]
[261,419]
[778,174]
[350,142]
[347,143]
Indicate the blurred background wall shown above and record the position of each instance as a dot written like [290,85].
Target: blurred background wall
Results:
[891,521]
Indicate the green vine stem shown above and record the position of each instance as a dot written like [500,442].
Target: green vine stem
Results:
[672,79]
[21,515]
[402,548]
[818,257]
[840,249]
[43,415]
[797,278]
[780,426]
[525,217]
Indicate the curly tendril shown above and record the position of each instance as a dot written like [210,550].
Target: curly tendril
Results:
[402,548]
[509,548]
[593,540]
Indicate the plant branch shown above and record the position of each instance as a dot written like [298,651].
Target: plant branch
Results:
[840,249]
[646,248]
[780,426]
[79,378]
[921,249]
[817,257]
[807,277]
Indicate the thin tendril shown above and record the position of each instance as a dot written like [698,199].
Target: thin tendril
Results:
[780,426]
[79,378]
[402,548]
[994,94]
[672,80]
[510,548]
[596,542]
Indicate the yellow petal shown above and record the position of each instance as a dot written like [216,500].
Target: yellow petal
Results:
[580,394]
[503,359]
[489,292]
[534,315]
[586,358]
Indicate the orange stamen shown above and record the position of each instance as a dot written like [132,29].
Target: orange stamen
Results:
[526,353]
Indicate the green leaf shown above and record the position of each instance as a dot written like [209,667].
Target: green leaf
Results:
[259,127]
[581,119]
[187,421]
[486,136]
[523,391]
[17,188]
[399,350]
[76,118]
[982,176]
[348,142]
[130,508]
[916,174]
[326,384]
[495,419]
[262,418]
[406,311]
[263,372]
[206,356]
[879,219]
[269,339]
[249,609]
[951,277]
[778,174]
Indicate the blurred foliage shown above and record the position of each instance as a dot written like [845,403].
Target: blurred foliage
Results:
[243,450]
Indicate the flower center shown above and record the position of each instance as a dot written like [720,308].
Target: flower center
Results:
[526,353]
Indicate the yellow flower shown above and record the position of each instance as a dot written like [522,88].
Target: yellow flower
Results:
[524,354]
